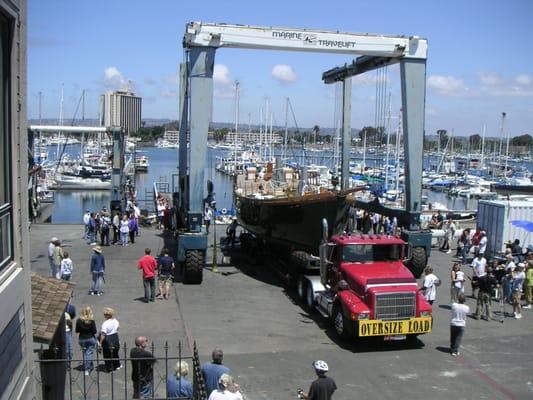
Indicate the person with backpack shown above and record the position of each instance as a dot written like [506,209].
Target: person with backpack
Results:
[104,230]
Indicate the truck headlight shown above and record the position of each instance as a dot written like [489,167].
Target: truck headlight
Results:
[363,316]
[425,314]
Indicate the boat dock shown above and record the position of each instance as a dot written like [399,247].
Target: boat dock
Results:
[269,339]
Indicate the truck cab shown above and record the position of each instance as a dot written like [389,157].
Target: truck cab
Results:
[366,290]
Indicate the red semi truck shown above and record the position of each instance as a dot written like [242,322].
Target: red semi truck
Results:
[364,287]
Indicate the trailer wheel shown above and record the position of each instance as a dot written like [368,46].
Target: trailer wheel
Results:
[418,261]
[194,267]
[341,323]
[300,260]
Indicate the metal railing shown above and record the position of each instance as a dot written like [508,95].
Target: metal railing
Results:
[58,377]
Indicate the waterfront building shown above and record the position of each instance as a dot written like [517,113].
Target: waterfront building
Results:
[254,137]
[121,108]
[16,344]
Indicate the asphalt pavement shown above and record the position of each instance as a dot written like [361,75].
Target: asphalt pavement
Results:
[270,339]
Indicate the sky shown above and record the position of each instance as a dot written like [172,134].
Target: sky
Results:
[480,61]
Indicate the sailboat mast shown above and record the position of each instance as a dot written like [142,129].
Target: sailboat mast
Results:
[236,126]
[286,129]
[60,121]
[483,147]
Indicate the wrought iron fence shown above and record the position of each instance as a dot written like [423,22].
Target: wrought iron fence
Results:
[61,378]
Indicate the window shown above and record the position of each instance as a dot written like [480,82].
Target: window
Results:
[371,252]
[6,238]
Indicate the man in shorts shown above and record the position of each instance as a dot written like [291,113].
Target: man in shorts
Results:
[518,278]
[165,273]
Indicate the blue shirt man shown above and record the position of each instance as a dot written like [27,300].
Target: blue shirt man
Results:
[213,370]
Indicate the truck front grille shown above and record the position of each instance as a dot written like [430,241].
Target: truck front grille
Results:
[395,305]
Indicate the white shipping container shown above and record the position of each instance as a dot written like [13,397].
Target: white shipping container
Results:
[494,217]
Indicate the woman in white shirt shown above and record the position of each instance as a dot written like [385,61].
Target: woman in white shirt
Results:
[124,230]
[109,340]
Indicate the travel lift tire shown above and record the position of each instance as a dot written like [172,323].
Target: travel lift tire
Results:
[194,266]
[418,261]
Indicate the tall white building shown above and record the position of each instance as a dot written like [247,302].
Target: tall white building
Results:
[121,108]
[16,344]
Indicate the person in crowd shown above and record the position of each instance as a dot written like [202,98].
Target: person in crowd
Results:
[323,387]
[66,267]
[110,341]
[116,227]
[429,285]
[231,232]
[137,214]
[124,230]
[57,257]
[479,270]
[440,219]
[178,386]
[92,230]
[507,280]
[366,223]
[518,278]
[142,374]
[486,285]
[458,323]
[97,271]
[104,229]
[463,245]
[86,218]
[132,227]
[516,249]
[227,389]
[160,213]
[70,314]
[483,240]
[51,247]
[474,240]
[375,223]
[445,247]
[457,282]
[148,265]
[165,273]
[208,216]
[528,285]
[86,330]
[213,371]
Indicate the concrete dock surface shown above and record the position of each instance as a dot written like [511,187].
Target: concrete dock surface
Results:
[270,339]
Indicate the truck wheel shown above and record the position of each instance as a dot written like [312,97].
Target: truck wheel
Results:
[418,261]
[310,297]
[341,324]
[194,267]
[300,287]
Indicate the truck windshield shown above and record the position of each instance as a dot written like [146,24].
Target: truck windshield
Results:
[371,252]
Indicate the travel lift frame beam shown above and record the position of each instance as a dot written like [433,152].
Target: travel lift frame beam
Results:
[201,40]
[413,86]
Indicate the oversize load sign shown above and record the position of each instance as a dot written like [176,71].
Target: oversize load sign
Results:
[386,328]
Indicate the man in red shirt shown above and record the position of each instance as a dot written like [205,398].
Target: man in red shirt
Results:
[148,265]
